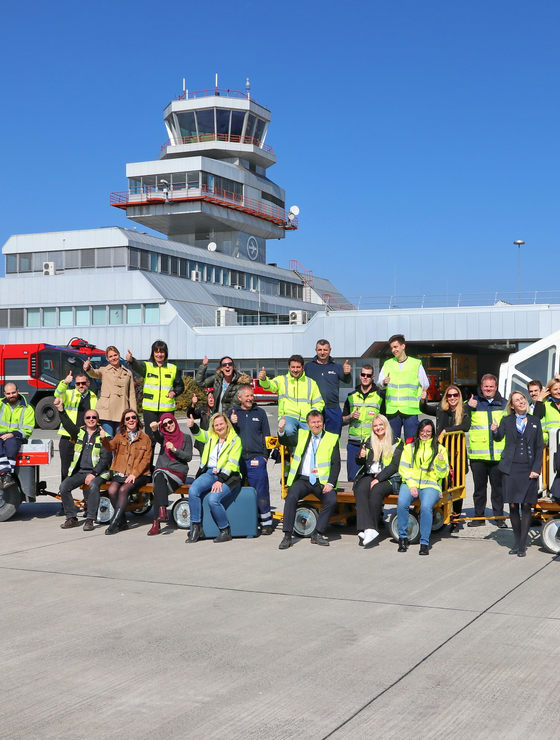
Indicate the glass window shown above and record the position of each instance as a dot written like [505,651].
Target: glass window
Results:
[49,317]
[222,121]
[49,365]
[134,186]
[259,129]
[104,257]
[33,317]
[154,262]
[174,265]
[38,259]
[71,259]
[250,130]
[151,313]
[133,257]
[82,315]
[144,260]
[116,314]
[183,268]
[193,180]
[237,121]
[66,316]
[539,366]
[11,263]
[187,123]
[25,261]
[119,256]
[209,274]
[87,257]
[179,181]
[134,314]
[205,119]
[99,315]
[148,182]
[58,259]
[164,263]
[225,276]
[3,318]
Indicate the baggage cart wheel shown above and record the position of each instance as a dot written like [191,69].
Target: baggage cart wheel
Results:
[7,510]
[438,522]
[105,511]
[144,507]
[306,521]
[551,536]
[181,513]
[413,528]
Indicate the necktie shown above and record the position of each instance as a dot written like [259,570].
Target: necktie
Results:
[312,475]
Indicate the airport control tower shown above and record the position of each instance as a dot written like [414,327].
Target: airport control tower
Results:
[209,188]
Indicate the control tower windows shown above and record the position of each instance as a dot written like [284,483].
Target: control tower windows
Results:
[212,182]
[259,130]
[205,121]
[222,122]
[237,121]
[187,124]
[250,130]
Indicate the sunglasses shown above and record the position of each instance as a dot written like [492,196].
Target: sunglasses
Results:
[366,375]
[130,418]
[91,417]
[81,382]
[168,423]
[452,395]
[227,364]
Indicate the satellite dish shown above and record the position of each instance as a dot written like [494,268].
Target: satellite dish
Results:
[294,210]
[212,246]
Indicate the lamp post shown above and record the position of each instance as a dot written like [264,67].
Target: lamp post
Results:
[519,242]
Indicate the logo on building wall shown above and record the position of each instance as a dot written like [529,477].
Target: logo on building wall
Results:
[252,248]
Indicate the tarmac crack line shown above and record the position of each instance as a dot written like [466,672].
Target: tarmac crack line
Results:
[247,590]
[434,651]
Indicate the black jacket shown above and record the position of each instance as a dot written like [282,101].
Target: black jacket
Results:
[335,459]
[216,381]
[105,457]
[445,420]
[386,472]
[533,437]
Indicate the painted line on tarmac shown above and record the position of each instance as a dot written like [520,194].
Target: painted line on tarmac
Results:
[435,650]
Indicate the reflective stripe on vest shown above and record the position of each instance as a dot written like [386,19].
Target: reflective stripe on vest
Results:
[297,406]
[71,400]
[230,454]
[158,382]
[481,444]
[323,455]
[360,429]
[404,389]
[95,453]
[17,418]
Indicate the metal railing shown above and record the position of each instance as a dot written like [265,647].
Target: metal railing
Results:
[213,92]
[228,138]
[258,208]
[455,300]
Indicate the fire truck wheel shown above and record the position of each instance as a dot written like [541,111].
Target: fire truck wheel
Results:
[46,414]
[8,510]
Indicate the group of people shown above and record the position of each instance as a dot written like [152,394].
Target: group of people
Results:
[389,449]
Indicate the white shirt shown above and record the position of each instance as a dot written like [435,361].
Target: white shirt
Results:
[422,377]
[306,462]
[214,455]
[225,386]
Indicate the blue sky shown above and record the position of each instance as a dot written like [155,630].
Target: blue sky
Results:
[419,139]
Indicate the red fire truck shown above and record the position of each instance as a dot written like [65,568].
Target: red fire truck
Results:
[37,369]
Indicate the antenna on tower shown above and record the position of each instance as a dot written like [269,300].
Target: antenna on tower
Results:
[216,80]
[248,88]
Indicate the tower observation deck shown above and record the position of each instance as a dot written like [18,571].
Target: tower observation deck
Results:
[209,187]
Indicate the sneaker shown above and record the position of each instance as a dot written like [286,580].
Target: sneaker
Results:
[70,523]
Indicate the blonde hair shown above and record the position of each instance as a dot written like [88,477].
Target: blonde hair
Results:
[459,411]
[220,415]
[550,384]
[384,449]
[110,348]
[510,409]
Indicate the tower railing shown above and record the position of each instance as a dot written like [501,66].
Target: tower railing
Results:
[214,92]
[228,138]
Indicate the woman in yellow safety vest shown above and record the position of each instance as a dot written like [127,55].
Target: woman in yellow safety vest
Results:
[379,459]
[163,382]
[547,408]
[423,466]
[219,474]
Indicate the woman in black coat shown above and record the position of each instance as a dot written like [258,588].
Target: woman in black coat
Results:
[379,459]
[451,416]
[521,465]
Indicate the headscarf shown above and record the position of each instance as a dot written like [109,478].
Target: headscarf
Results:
[175,437]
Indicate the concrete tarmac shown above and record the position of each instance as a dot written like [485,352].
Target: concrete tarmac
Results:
[135,637]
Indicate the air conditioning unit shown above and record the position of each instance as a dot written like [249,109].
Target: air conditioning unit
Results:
[298,317]
[196,276]
[226,316]
[48,268]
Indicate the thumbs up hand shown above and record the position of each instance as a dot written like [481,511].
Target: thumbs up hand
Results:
[233,417]
[473,402]
[262,374]
[68,378]
[190,421]
[363,451]
[281,425]
[347,368]
[129,356]
[205,361]
[386,380]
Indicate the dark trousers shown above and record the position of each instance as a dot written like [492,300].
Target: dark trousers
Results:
[302,487]
[333,420]
[119,492]
[369,501]
[149,417]
[352,466]
[409,424]
[163,486]
[483,470]
[75,481]
[257,477]
[9,449]
[66,452]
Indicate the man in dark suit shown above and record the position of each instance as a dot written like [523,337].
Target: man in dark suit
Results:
[314,469]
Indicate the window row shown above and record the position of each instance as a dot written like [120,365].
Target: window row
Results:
[228,125]
[71,259]
[185,181]
[18,318]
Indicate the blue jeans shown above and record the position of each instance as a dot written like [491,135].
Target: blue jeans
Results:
[428,499]
[201,487]
[292,425]
[110,427]
[408,423]
[333,420]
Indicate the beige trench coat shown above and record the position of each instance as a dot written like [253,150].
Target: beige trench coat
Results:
[117,391]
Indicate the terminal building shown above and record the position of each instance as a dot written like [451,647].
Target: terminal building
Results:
[205,286]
